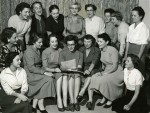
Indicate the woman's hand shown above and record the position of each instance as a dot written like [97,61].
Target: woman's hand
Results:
[127,107]
[48,74]
[22,97]
[17,101]
[57,70]
[98,74]
[87,72]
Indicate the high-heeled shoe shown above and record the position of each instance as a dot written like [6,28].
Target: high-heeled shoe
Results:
[66,108]
[61,109]
[77,106]
[34,110]
[79,98]
[71,107]
[89,105]
[42,111]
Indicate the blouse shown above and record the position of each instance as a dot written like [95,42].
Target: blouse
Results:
[11,81]
[139,34]
[132,78]
[94,26]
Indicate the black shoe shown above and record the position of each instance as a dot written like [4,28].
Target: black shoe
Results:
[34,110]
[79,98]
[71,107]
[43,111]
[107,106]
[100,104]
[61,109]
[77,107]
[66,108]
[89,105]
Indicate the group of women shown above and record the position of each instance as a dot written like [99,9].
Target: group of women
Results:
[57,52]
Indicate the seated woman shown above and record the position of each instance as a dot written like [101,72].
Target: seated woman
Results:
[9,40]
[14,84]
[71,61]
[91,64]
[135,100]
[74,23]
[50,58]
[109,82]
[38,21]
[41,83]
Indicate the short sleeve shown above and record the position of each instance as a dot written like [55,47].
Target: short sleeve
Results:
[24,87]
[144,34]
[138,78]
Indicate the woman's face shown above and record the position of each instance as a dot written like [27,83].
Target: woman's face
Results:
[25,13]
[87,43]
[135,17]
[38,44]
[13,39]
[90,12]
[107,17]
[129,63]
[74,9]
[53,42]
[37,9]
[71,45]
[16,62]
[114,21]
[102,43]
[55,13]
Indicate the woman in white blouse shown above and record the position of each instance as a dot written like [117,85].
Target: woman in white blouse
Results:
[134,100]
[137,36]
[14,86]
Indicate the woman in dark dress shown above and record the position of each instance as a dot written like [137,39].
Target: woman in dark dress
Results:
[91,64]
[55,22]
[14,86]
[38,24]
[135,99]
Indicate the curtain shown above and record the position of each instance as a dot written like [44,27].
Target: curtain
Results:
[7,7]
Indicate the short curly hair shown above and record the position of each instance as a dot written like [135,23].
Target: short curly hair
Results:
[75,3]
[140,11]
[105,37]
[36,2]
[91,5]
[7,34]
[118,15]
[21,6]
[52,7]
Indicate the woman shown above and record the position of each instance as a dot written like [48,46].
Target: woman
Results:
[22,23]
[70,63]
[135,100]
[74,23]
[91,56]
[50,63]
[41,83]
[38,24]
[55,22]
[14,84]
[9,40]
[108,82]
[138,35]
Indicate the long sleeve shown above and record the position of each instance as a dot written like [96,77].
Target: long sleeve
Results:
[44,59]
[80,59]
[96,56]
[24,87]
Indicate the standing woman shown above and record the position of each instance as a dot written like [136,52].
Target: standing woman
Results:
[9,39]
[41,83]
[138,35]
[55,22]
[22,23]
[74,23]
[70,61]
[50,63]
[14,86]
[38,24]
[91,64]
[108,82]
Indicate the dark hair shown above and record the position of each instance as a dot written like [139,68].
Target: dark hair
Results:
[71,38]
[36,2]
[109,10]
[52,7]
[76,3]
[118,15]
[135,60]
[7,34]
[9,58]
[53,35]
[105,37]
[140,11]
[34,38]
[21,6]
[89,37]
[91,5]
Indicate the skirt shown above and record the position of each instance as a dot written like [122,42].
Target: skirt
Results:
[139,106]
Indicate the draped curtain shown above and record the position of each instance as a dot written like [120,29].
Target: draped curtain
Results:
[7,7]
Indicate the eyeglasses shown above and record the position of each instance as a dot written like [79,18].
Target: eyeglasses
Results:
[70,45]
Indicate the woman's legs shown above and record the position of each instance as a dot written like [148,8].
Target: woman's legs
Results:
[65,90]
[35,101]
[90,94]
[76,88]
[58,91]
[41,104]
[71,90]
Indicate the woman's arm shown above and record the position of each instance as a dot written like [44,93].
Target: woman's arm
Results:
[83,30]
[141,51]
[134,98]
[126,51]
